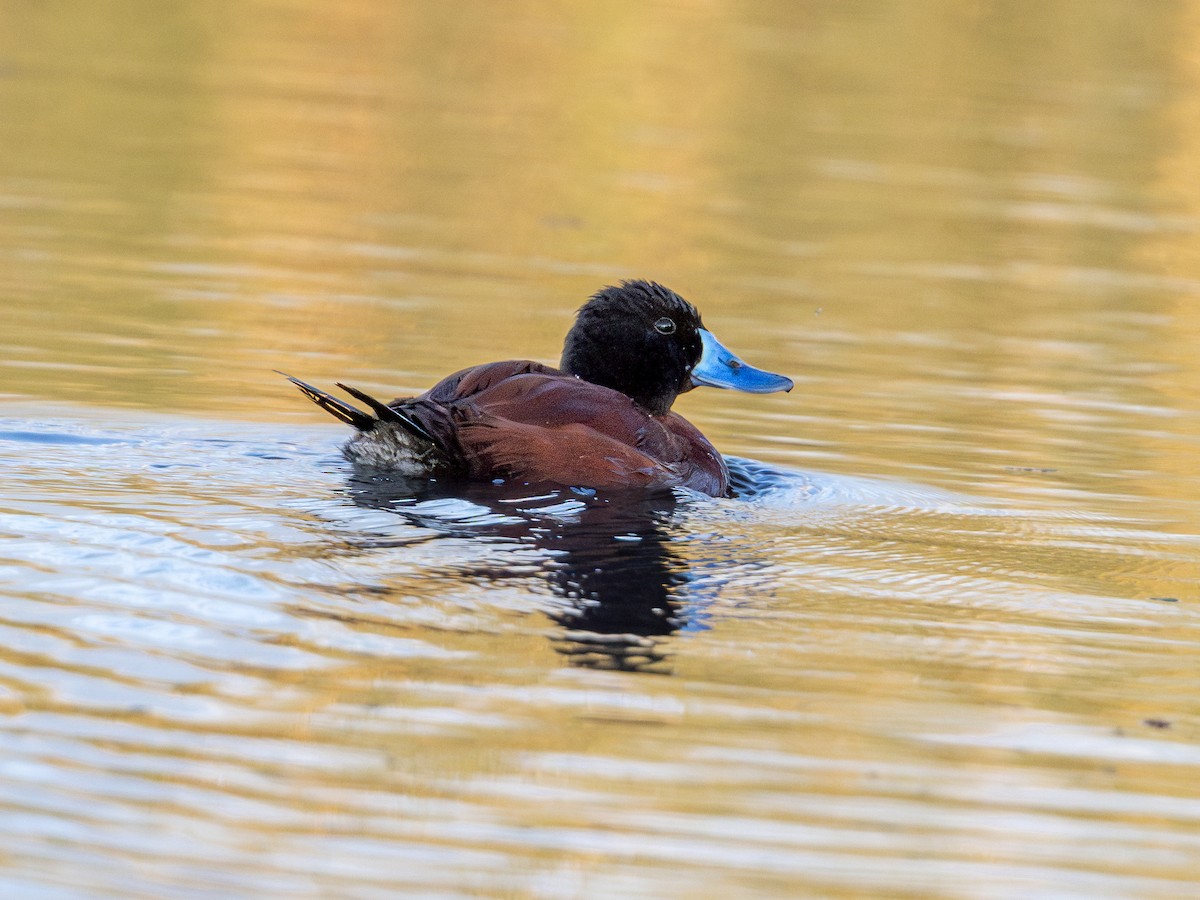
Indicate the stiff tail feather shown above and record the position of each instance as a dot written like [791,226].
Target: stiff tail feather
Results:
[355,417]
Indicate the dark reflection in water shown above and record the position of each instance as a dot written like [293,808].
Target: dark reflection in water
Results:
[609,557]
[616,569]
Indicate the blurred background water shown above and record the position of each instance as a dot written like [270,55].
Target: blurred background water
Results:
[947,647]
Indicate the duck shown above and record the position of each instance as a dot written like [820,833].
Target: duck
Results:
[601,421]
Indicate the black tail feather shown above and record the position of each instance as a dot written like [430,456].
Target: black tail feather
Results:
[339,409]
[351,415]
[387,413]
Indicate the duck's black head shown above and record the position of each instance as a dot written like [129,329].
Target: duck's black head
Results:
[647,342]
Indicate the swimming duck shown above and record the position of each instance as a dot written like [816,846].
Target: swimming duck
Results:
[601,420]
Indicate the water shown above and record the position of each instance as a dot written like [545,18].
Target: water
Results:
[944,643]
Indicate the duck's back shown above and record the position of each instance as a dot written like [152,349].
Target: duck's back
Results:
[521,419]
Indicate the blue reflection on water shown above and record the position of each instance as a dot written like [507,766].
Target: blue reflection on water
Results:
[55,437]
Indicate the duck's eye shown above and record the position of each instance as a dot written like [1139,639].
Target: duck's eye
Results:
[665,326]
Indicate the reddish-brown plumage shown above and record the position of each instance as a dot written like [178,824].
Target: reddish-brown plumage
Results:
[602,420]
[524,420]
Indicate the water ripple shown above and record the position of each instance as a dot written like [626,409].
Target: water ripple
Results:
[243,636]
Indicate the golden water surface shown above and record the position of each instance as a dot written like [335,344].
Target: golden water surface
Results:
[951,647]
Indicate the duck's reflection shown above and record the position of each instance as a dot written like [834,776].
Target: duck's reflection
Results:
[608,558]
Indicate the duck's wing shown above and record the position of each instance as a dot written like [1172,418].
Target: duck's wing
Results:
[556,428]
[467,384]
